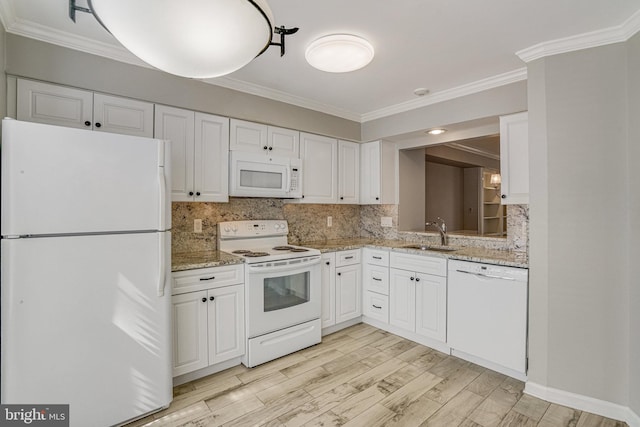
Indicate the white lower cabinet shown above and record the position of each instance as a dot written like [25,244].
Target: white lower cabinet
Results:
[208,324]
[418,296]
[375,284]
[341,278]
[328,279]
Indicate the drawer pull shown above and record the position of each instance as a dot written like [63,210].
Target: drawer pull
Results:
[204,279]
[377,257]
[375,306]
[375,278]
[349,257]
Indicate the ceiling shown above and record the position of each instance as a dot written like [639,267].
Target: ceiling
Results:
[451,47]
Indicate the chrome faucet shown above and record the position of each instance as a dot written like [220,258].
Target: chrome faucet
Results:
[442,228]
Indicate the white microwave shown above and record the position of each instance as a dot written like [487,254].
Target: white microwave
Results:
[260,175]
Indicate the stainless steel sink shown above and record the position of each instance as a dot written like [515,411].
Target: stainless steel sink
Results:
[432,248]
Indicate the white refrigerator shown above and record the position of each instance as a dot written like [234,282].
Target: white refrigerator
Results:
[85,272]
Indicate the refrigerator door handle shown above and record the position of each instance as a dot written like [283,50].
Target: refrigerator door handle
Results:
[162,253]
[162,183]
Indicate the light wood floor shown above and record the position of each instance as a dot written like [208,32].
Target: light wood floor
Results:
[362,376]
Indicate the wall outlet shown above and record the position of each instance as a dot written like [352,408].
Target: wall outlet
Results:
[386,221]
[197,226]
[329,221]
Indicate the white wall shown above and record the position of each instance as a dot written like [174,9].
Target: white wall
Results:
[444,195]
[412,190]
[633,159]
[3,77]
[579,306]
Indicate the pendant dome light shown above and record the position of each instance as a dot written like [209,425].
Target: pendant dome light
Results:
[189,38]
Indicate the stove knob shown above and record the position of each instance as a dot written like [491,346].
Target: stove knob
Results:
[235,228]
[227,229]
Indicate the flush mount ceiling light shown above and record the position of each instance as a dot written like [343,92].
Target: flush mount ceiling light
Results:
[438,131]
[339,53]
[189,38]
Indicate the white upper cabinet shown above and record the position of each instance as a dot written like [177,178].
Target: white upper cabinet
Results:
[64,106]
[319,156]
[348,172]
[259,138]
[199,153]
[378,173]
[514,158]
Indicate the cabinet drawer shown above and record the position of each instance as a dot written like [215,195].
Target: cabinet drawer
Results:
[376,257]
[347,257]
[419,263]
[206,278]
[376,306]
[376,279]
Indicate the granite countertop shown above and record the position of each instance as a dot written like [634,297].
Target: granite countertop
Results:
[488,256]
[193,260]
[203,259]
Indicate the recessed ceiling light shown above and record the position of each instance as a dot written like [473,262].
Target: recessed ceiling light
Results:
[339,53]
[438,131]
[421,91]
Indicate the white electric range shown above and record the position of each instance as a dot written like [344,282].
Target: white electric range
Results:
[282,288]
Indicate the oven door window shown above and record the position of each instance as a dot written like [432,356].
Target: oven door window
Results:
[286,291]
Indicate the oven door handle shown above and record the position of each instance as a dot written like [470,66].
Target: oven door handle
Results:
[292,267]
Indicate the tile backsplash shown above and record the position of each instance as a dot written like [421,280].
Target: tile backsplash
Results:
[308,222]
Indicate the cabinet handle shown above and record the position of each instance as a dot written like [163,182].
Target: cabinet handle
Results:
[87,123]
[197,194]
[98,124]
[349,257]
[204,299]
[377,198]
[212,298]
[270,148]
[375,306]
[303,196]
[412,278]
[265,147]
[417,279]
[327,263]
[377,257]
[341,198]
[191,193]
[376,279]
[504,196]
[204,279]
[339,274]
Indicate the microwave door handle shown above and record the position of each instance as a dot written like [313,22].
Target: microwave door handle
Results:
[288,178]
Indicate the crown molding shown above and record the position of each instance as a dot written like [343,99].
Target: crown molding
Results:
[281,96]
[620,33]
[448,94]
[7,13]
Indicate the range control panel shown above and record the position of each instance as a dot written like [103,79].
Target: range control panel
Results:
[256,228]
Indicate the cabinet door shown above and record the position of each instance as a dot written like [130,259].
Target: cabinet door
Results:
[177,125]
[248,136]
[514,158]
[226,323]
[431,306]
[189,332]
[348,172]
[328,279]
[283,142]
[402,299]
[211,158]
[54,105]
[348,293]
[122,115]
[319,156]
[370,173]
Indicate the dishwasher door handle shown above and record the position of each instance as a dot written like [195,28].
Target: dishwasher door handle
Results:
[489,276]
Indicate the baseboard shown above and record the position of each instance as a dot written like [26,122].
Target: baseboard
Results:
[583,403]
[428,342]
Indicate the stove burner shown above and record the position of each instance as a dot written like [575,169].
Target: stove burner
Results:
[283,248]
[256,254]
[299,250]
[241,251]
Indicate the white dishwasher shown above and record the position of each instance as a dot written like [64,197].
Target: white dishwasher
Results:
[487,315]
